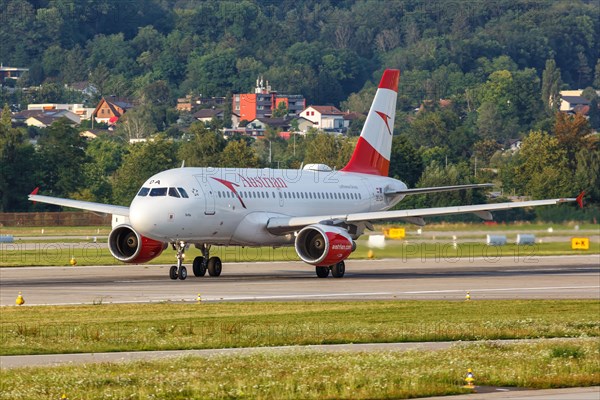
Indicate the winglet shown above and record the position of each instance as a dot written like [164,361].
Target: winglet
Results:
[579,199]
[35,191]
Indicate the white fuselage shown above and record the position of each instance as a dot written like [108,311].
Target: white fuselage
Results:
[228,206]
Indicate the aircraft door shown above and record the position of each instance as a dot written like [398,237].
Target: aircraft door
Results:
[209,198]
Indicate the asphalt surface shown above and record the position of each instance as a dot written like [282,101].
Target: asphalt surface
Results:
[521,277]
[560,277]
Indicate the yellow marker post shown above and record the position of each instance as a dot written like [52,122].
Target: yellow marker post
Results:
[470,380]
[370,254]
[20,300]
[198,299]
[73,261]
[468,296]
[580,243]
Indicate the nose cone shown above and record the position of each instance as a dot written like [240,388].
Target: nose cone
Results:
[142,217]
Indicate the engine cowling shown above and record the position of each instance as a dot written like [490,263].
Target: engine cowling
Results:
[126,245]
[323,245]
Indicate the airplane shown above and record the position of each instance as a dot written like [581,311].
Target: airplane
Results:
[318,210]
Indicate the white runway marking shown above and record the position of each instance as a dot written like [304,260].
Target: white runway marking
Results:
[503,289]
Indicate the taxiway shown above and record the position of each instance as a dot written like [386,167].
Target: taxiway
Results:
[553,277]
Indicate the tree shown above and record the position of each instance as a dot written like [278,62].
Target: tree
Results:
[105,155]
[542,167]
[596,83]
[204,149]
[323,148]
[238,154]
[143,160]
[453,174]
[551,84]
[281,111]
[62,153]
[573,133]
[406,163]
[17,159]
[136,124]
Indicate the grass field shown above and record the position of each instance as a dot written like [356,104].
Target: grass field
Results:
[313,375]
[60,254]
[169,326]
[446,227]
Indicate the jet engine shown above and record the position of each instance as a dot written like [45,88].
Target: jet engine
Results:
[323,245]
[126,245]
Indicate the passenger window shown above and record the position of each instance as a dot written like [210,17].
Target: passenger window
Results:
[183,193]
[280,195]
[143,191]
[155,192]
[173,192]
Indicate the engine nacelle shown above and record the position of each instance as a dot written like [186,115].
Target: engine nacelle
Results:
[126,245]
[323,245]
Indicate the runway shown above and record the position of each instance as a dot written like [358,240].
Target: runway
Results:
[553,277]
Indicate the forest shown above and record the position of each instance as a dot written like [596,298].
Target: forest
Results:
[475,76]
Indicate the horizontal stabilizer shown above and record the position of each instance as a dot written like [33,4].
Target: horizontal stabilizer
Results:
[436,189]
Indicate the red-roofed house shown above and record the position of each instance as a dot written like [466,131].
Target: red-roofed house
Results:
[110,108]
[326,117]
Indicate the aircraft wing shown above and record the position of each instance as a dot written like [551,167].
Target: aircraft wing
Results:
[439,189]
[281,225]
[82,205]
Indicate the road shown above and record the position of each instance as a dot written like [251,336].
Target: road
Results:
[553,277]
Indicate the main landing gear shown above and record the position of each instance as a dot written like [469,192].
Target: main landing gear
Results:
[200,265]
[337,270]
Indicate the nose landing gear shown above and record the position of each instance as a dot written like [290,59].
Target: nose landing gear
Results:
[200,265]
[179,271]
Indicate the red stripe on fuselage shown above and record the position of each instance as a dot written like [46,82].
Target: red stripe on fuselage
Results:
[367,160]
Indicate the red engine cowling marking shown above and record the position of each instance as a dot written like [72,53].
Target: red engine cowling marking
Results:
[126,245]
[323,245]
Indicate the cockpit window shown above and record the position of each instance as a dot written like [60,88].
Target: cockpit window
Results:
[154,192]
[183,193]
[173,192]
[143,191]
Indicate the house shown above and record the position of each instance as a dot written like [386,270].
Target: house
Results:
[43,119]
[571,103]
[11,73]
[207,115]
[264,101]
[77,109]
[84,87]
[190,103]
[304,124]
[258,126]
[93,133]
[326,118]
[514,144]
[110,109]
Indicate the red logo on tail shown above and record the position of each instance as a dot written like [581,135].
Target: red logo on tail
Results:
[385,119]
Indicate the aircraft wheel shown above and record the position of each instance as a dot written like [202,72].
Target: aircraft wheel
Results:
[173,272]
[198,266]
[214,266]
[338,270]
[322,272]
[182,273]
